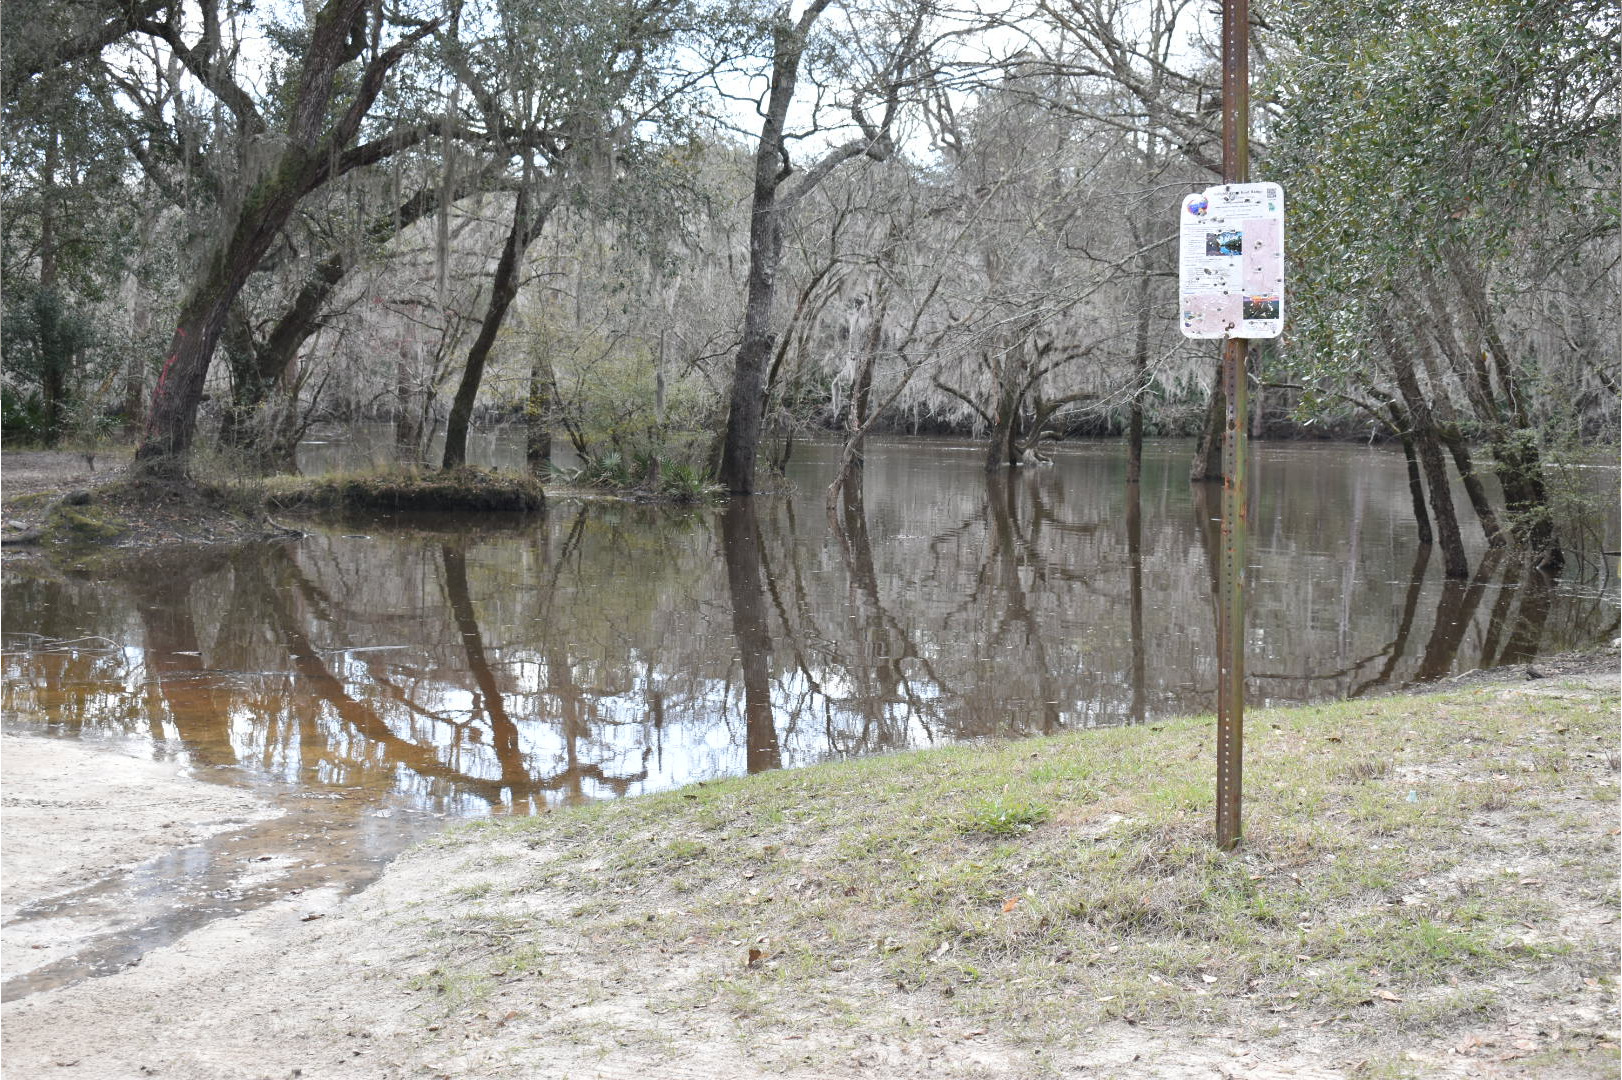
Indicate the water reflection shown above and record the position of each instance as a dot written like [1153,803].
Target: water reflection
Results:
[746,586]
[613,648]
[607,649]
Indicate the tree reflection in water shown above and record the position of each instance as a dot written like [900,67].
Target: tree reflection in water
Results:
[609,648]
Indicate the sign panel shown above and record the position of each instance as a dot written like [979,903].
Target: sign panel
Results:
[1231,262]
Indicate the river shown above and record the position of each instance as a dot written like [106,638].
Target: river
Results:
[379,677]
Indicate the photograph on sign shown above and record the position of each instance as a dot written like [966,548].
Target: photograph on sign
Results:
[1231,262]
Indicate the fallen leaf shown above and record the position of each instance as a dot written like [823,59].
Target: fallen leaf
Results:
[755,957]
[1208,978]
[1010,904]
[1386,995]
[312,916]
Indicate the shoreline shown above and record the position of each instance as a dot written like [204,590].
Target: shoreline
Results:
[932,914]
[77,815]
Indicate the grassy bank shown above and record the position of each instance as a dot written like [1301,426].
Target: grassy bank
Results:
[464,490]
[1423,880]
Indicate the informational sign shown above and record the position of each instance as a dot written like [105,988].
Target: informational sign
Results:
[1231,262]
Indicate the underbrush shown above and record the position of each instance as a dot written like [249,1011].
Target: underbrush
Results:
[642,475]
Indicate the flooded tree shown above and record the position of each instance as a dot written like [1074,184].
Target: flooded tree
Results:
[1463,150]
[887,53]
[418,216]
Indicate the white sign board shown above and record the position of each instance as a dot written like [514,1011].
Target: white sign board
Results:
[1231,262]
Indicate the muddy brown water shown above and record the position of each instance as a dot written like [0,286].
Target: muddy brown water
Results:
[379,678]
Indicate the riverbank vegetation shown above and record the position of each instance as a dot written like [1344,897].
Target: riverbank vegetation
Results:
[461,490]
[692,233]
[1424,880]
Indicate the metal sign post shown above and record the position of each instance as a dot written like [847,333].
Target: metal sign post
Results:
[1230,739]
[1235,504]
[1231,288]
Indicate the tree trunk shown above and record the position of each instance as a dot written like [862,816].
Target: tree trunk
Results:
[746,410]
[53,374]
[1454,563]
[747,407]
[311,146]
[1448,430]
[502,291]
[1416,491]
[1514,442]
[1000,452]
[1208,454]
[265,365]
[1403,429]
[1140,375]
[1454,441]
[257,368]
[537,408]
[171,423]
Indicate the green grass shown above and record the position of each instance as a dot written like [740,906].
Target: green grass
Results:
[1045,885]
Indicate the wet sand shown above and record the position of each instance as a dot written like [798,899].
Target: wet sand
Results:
[79,813]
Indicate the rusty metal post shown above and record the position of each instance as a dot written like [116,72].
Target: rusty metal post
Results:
[1235,502]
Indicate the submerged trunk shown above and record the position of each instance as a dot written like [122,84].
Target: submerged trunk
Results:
[1502,412]
[537,432]
[1519,468]
[769,205]
[1416,488]
[1140,375]
[1423,427]
[1454,441]
[1416,491]
[1207,464]
[746,410]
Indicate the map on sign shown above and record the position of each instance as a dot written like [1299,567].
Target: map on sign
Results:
[1231,262]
